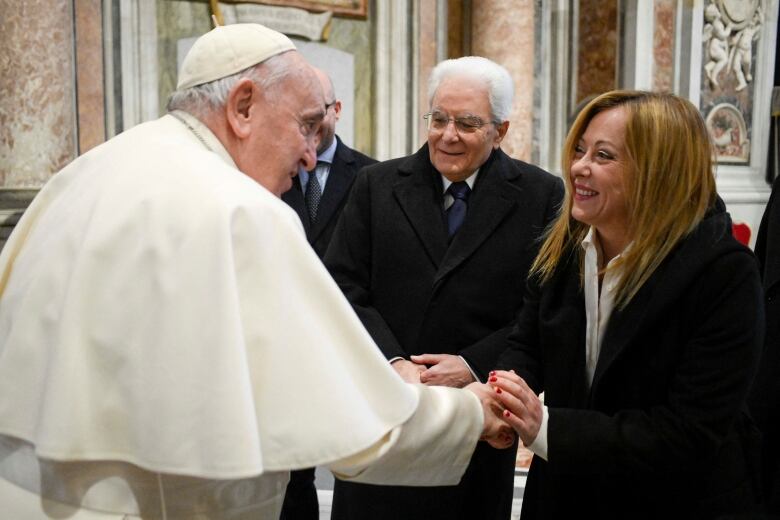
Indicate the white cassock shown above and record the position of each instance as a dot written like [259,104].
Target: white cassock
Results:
[170,347]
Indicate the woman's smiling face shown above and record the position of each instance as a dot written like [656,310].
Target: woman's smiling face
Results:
[597,174]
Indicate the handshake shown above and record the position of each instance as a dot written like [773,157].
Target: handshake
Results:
[510,407]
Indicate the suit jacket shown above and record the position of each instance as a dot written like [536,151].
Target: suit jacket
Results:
[415,293]
[662,427]
[765,395]
[346,163]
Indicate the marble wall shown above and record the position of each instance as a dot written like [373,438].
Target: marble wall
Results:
[597,47]
[503,30]
[356,37]
[89,74]
[37,91]
[663,45]
[427,57]
[176,19]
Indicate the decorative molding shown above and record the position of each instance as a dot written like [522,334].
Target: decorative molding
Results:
[352,8]
[393,107]
[737,184]
[552,90]
[642,42]
[441,30]
[287,20]
[139,76]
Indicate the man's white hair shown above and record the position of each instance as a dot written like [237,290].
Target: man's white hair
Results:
[495,77]
[201,99]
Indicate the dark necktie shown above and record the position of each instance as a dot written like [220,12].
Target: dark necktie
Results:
[313,196]
[456,213]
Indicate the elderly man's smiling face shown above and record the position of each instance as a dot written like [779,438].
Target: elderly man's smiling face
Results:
[457,154]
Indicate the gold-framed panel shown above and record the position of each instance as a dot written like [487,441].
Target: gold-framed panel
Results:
[346,8]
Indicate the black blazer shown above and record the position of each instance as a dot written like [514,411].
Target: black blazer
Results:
[662,430]
[413,292]
[346,163]
[765,395]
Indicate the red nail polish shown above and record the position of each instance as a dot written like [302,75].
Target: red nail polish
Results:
[506,413]
[493,379]
[492,372]
[498,390]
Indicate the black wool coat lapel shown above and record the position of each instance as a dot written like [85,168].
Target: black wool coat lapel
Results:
[419,194]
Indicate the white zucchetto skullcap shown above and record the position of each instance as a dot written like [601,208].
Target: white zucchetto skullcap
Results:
[228,49]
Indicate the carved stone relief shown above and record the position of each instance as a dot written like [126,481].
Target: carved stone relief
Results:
[731,30]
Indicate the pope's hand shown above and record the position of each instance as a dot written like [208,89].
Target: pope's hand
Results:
[409,372]
[523,408]
[495,431]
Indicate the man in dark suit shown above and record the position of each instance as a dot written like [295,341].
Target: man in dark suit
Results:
[337,164]
[765,396]
[318,197]
[432,251]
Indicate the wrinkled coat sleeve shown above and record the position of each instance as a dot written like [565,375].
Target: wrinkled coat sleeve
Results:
[349,262]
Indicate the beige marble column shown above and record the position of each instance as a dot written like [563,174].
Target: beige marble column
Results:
[426,60]
[597,47]
[663,45]
[37,91]
[89,74]
[503,30]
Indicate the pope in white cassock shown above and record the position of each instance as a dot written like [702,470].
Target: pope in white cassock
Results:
[170,346]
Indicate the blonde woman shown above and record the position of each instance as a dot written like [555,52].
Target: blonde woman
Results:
[642,326]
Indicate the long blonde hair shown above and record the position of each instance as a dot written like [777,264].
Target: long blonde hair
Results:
[669,184]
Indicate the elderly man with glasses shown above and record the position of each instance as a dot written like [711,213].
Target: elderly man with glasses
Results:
[432,250]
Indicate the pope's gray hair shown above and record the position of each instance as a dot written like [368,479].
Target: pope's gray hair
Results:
[495,77]
[207,97]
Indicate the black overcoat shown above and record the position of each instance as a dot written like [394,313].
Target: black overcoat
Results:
[415,293]
[662,432]
[765,396]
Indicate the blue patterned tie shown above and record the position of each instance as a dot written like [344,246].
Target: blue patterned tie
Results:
[456,213]
[312,196]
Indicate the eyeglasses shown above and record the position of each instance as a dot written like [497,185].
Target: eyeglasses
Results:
[438,121]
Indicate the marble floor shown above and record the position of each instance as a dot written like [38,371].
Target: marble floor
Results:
[324,482]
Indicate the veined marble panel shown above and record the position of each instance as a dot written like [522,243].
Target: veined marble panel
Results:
[176,19]
[597,48]
[663,45]
[37,109]
[89,74]
[503,30]
[355,37]
[426,52]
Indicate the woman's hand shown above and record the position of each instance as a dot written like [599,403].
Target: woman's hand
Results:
[522,407]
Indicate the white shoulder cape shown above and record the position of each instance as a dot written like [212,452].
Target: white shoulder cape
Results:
[163,309]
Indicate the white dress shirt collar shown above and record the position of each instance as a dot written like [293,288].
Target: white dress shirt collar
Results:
[470,180]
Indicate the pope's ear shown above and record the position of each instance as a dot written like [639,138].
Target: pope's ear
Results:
[238,107]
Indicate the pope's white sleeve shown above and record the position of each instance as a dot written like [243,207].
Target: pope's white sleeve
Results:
[432,448]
